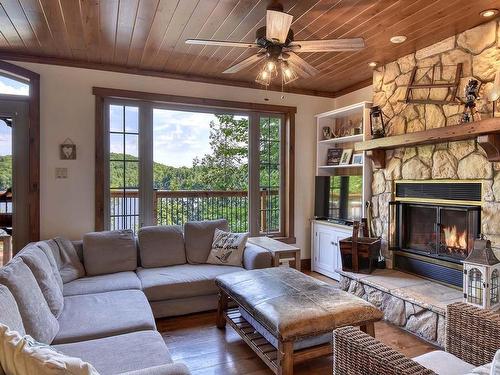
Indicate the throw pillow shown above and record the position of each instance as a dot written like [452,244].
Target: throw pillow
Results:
[109,252]
[161,246]
[50,249]
[227,248]
[198,237]
[39,265]
[38,320]
[22,355]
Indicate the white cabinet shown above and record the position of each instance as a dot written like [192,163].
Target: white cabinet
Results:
[325,257]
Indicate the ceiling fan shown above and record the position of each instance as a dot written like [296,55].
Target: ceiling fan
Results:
[278,49]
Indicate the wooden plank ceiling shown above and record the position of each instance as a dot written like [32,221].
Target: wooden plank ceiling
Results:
[147,36]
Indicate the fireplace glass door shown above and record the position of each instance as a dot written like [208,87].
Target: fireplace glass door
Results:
[438,231]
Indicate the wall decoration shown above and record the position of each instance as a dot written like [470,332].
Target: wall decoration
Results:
[67,150]
[327,133]
[377,124]
[346,156]
[333,156]
[471,94]
[357,158]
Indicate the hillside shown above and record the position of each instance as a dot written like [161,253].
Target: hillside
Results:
[5,172]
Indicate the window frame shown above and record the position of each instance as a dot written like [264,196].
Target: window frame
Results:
[149,101]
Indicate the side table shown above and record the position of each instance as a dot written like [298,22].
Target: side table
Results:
[278,249]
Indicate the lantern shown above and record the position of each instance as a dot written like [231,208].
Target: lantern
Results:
[481,276]
[377,125]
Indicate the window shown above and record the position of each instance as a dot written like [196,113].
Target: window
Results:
[475,287]
[171,163]
[12,85]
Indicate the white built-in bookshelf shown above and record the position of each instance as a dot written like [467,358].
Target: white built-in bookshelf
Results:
[347,125]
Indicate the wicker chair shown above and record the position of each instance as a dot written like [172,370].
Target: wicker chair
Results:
[472,335]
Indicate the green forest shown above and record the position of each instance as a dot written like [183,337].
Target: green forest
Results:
[5,172]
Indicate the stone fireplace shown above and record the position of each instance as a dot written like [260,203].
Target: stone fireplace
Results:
[464,161]
[435,224]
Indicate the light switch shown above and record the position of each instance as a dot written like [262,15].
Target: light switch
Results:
[61,173]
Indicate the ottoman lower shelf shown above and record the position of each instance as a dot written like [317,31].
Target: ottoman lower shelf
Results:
[265,350]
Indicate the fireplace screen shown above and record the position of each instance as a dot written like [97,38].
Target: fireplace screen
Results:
[436,230]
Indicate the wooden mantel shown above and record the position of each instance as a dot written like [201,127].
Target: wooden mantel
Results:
[486,132]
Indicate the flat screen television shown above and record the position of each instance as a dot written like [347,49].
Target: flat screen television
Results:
[339,198]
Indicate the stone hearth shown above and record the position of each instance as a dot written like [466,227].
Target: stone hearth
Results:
[410,302]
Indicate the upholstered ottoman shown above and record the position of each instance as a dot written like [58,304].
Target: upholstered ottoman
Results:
[286,316]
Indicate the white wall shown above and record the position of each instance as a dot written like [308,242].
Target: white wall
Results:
[362,95]
[67,110]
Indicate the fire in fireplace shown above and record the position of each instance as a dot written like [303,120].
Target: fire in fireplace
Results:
[433,228]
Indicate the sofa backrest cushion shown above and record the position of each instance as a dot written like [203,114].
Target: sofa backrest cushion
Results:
[198,238]
[9,312]
[38,320]
[161,246]
[45,248]
[109,252]
[23,355]
[39,265]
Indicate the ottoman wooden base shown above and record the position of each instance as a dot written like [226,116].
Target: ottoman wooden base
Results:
[281,360]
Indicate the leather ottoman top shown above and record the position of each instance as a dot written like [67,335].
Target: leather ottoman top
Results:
[291,304]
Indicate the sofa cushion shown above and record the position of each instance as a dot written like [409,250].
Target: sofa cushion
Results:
[49,253]
[161,246]
[116,354]
[109,252]
[9,312]
[227,248]
[40,266]
[181,281]
[38,320]
[444,363]
[103,283]
[69,265]
[198,237]
[23,355]
[94,316]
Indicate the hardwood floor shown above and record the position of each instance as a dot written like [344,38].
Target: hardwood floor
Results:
[205,349]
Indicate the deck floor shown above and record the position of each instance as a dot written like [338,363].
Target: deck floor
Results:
[195,340]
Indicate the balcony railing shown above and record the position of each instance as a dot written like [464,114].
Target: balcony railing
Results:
[178,207]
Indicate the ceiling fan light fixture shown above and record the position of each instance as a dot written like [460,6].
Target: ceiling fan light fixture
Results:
[263,78]
[288,74]
[489,13]
[398,39]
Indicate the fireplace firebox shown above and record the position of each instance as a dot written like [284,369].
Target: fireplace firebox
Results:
[432,228]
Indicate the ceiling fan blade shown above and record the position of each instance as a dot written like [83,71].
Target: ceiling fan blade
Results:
[303,68]
[277,25]
[331,45]
[245,63]
[221,43]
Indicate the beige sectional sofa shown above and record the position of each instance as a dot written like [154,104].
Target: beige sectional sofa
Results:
[97,299]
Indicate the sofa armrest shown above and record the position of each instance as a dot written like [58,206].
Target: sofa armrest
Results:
[169,369]
[256,257]
[472,334]
[357,353]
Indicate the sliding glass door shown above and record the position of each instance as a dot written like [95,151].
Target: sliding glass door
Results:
[168,165]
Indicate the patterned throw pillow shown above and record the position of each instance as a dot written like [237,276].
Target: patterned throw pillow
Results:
[22,355]
[227,248]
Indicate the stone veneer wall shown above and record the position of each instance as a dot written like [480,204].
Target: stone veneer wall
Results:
[426,322]
[478,50]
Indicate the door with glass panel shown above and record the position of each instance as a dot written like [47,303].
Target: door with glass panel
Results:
[271,167]
[123,166]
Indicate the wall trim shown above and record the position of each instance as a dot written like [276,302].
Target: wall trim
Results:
[34,145]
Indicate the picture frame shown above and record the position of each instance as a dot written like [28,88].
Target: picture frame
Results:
[327,133]
[333,156]
[67,150]
[357,159]
[345,159]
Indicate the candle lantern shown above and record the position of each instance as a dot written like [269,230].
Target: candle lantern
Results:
[482,276]
[377,125]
